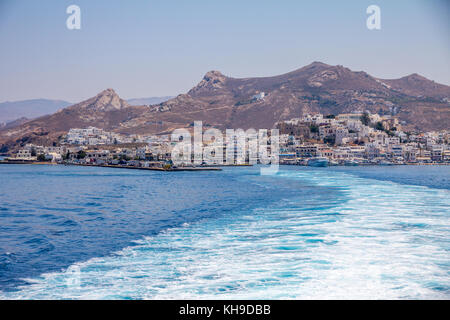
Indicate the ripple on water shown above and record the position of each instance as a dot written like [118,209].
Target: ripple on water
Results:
[374,242]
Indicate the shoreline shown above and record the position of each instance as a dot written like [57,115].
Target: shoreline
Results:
[146,168]
[117,166]
[373,165]
[208,168]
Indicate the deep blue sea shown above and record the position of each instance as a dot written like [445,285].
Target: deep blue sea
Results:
[319,233]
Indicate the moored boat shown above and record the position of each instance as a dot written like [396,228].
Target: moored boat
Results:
[385,163]
[351,163]
[318,162]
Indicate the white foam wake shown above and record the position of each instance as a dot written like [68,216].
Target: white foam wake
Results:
[378,240]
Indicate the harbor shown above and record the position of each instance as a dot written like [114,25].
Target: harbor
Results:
[165,169]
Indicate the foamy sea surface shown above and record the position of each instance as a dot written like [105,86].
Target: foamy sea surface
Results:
[305,233]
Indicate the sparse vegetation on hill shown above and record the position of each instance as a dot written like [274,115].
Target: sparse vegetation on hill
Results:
[223,102]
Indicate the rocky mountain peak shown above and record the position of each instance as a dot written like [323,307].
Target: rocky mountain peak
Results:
[226,102]
[108,91]
[106,100]
[415,77]
[317,64]
[214,76]
[212,80]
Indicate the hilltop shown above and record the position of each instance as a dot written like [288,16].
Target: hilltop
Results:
[225,102]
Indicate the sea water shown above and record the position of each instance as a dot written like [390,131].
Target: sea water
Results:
[304,233]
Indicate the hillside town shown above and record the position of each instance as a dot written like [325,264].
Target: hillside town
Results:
[358,138]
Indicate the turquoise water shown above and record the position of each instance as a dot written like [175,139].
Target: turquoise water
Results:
[304,233]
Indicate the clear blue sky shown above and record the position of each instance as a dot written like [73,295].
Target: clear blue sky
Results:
[156,48]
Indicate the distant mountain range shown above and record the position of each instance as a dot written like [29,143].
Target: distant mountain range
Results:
[10,111]
[225,102]
[13,111]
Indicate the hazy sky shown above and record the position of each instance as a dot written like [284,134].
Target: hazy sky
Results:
[157,48]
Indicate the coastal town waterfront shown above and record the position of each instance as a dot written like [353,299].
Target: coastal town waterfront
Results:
[224,159]
[359,138]
[88,232]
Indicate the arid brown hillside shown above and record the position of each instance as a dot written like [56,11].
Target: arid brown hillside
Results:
[105,110]
[418,86]
[226,102]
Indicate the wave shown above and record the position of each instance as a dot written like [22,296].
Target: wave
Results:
[376,240]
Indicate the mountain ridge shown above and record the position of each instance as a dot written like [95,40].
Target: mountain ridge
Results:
[31,108]
[226,102]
